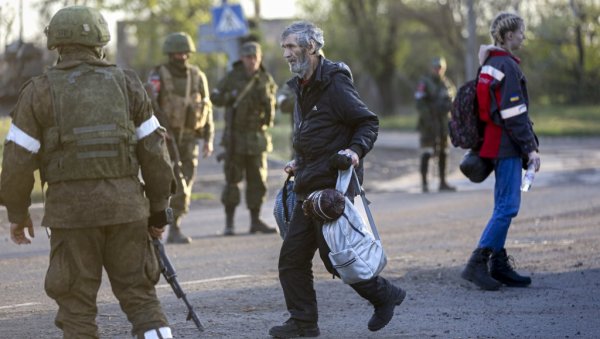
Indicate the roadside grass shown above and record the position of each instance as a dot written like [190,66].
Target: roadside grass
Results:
[549,121]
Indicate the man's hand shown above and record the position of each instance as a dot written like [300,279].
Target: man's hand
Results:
[17,232]
[208,149]
[350,153]
[158,221]
[156,232]
[534,158]
[290,167]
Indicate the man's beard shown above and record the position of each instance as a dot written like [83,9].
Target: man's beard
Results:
[300,67]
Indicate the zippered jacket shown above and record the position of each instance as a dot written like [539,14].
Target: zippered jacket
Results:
[504,106]
[329,116]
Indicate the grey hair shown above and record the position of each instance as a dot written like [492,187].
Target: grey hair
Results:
[306,32]
[503,23]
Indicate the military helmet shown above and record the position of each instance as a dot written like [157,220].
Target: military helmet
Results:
[438,62]
[179,42]
[474,167]
[80,25]
[250,48]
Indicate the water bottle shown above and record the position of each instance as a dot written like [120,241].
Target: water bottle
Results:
[528,178]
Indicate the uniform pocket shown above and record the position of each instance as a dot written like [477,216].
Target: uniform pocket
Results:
[59,277]
[151,265]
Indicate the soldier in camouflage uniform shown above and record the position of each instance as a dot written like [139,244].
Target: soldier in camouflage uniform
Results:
[434,96]
[248,93]
[88,127]
[182,105]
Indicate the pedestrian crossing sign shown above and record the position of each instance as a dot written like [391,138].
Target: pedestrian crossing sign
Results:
[229,21]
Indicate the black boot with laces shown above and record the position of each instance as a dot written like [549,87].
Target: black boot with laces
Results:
[293,328]
[502,270]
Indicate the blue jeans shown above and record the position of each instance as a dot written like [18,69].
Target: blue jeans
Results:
[507,200]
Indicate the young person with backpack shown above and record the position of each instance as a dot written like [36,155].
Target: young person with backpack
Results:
[508,140]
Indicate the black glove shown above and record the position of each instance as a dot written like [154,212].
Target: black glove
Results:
[340,162]
[161,219]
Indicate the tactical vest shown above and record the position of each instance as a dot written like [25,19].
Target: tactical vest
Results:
[189,111]
[93,136]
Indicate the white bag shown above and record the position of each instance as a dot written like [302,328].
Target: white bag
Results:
[356,251]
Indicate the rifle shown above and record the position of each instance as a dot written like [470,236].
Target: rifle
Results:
[168,271]
[176,159]
[171,142]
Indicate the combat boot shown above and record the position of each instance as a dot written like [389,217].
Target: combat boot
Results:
[384,313]
[257,225]
[502,270]
[384,296]
[229,214]
[477,271]
[163,332]
[424,169]
[444,187]
[175,236]
[293,328]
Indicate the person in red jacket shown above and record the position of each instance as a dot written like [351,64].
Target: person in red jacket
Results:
[509,140]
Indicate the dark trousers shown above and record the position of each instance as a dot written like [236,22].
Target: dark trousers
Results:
[304,237]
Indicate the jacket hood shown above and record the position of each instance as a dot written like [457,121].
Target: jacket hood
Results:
[486,51]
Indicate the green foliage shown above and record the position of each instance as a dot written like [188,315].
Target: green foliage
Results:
[560,56]
[549,120]
[561,120]
[402,122]
[281,134]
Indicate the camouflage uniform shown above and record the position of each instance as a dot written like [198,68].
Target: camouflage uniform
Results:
[246,138]
[434,96]
[95,204]
[182,105]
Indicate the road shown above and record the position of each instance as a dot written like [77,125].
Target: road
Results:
[427,237]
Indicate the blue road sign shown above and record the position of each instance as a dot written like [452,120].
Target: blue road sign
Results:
[229,21]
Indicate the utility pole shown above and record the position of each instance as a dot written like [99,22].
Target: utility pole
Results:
[20,22]
[257,10]
[471,53]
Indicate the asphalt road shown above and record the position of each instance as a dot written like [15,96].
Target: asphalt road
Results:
[233,281]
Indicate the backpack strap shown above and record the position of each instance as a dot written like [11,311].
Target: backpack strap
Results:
[366,204]
[343,183]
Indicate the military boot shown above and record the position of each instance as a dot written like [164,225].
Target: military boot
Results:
[293,328]
[384,296]
[175,235]
[229,214]
[444,187]
[502,270]
[477,271]
[424,168]
[257,225]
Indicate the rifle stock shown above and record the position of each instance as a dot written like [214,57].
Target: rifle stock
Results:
[168,271]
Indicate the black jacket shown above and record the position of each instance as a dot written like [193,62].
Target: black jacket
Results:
[329,116]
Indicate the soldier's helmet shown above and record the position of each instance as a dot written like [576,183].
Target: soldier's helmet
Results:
[438,62]
[79,25]
[179,42]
